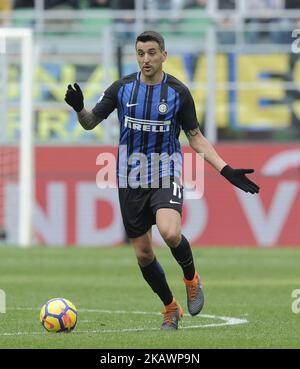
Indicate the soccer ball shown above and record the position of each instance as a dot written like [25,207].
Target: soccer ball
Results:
[58,315]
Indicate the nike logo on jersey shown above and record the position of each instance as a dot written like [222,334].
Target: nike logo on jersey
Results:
[174,202]
[129,105]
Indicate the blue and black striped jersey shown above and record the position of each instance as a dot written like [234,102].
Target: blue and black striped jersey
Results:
[151,117]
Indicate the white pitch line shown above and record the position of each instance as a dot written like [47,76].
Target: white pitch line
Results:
[225,322]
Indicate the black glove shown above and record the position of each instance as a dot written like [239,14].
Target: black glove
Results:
[74,97]
[237,177]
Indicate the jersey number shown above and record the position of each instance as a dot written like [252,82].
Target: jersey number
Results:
[177,191]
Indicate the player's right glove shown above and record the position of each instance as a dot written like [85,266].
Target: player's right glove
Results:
[237,178]
[74,97]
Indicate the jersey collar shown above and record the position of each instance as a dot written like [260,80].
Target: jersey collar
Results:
[143,83]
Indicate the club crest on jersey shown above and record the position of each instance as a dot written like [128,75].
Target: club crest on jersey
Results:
[163,107]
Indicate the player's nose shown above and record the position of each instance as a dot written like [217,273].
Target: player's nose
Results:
[146,58]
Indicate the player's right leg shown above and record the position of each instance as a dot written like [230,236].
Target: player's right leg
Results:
[154,275]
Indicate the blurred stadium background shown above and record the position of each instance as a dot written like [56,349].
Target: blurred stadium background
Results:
[238,61]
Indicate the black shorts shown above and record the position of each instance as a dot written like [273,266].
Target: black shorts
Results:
[139,206]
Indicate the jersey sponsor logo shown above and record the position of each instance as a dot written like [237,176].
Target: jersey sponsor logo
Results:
[129,105]
[147,125]
[163,108]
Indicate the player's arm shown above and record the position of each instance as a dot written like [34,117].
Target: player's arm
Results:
[235,176]
[90,119]
[187,118]
[189,123]
[74,97]
[201,145]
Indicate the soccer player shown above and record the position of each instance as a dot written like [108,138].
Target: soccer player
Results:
[153,107]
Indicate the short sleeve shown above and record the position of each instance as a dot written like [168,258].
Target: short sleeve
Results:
[108,101]
[187,112]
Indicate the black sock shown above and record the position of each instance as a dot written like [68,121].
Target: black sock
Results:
[155,277]
[183,254]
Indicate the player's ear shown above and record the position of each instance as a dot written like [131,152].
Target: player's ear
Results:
[165,54]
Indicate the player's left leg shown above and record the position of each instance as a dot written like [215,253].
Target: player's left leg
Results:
[151,268]
[168,221]
[154,275]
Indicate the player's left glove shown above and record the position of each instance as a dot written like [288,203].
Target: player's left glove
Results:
[74,97]
[238,178]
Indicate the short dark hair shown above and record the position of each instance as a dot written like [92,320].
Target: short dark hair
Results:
[151,36]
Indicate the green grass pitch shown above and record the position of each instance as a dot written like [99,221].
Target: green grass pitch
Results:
[248,298]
